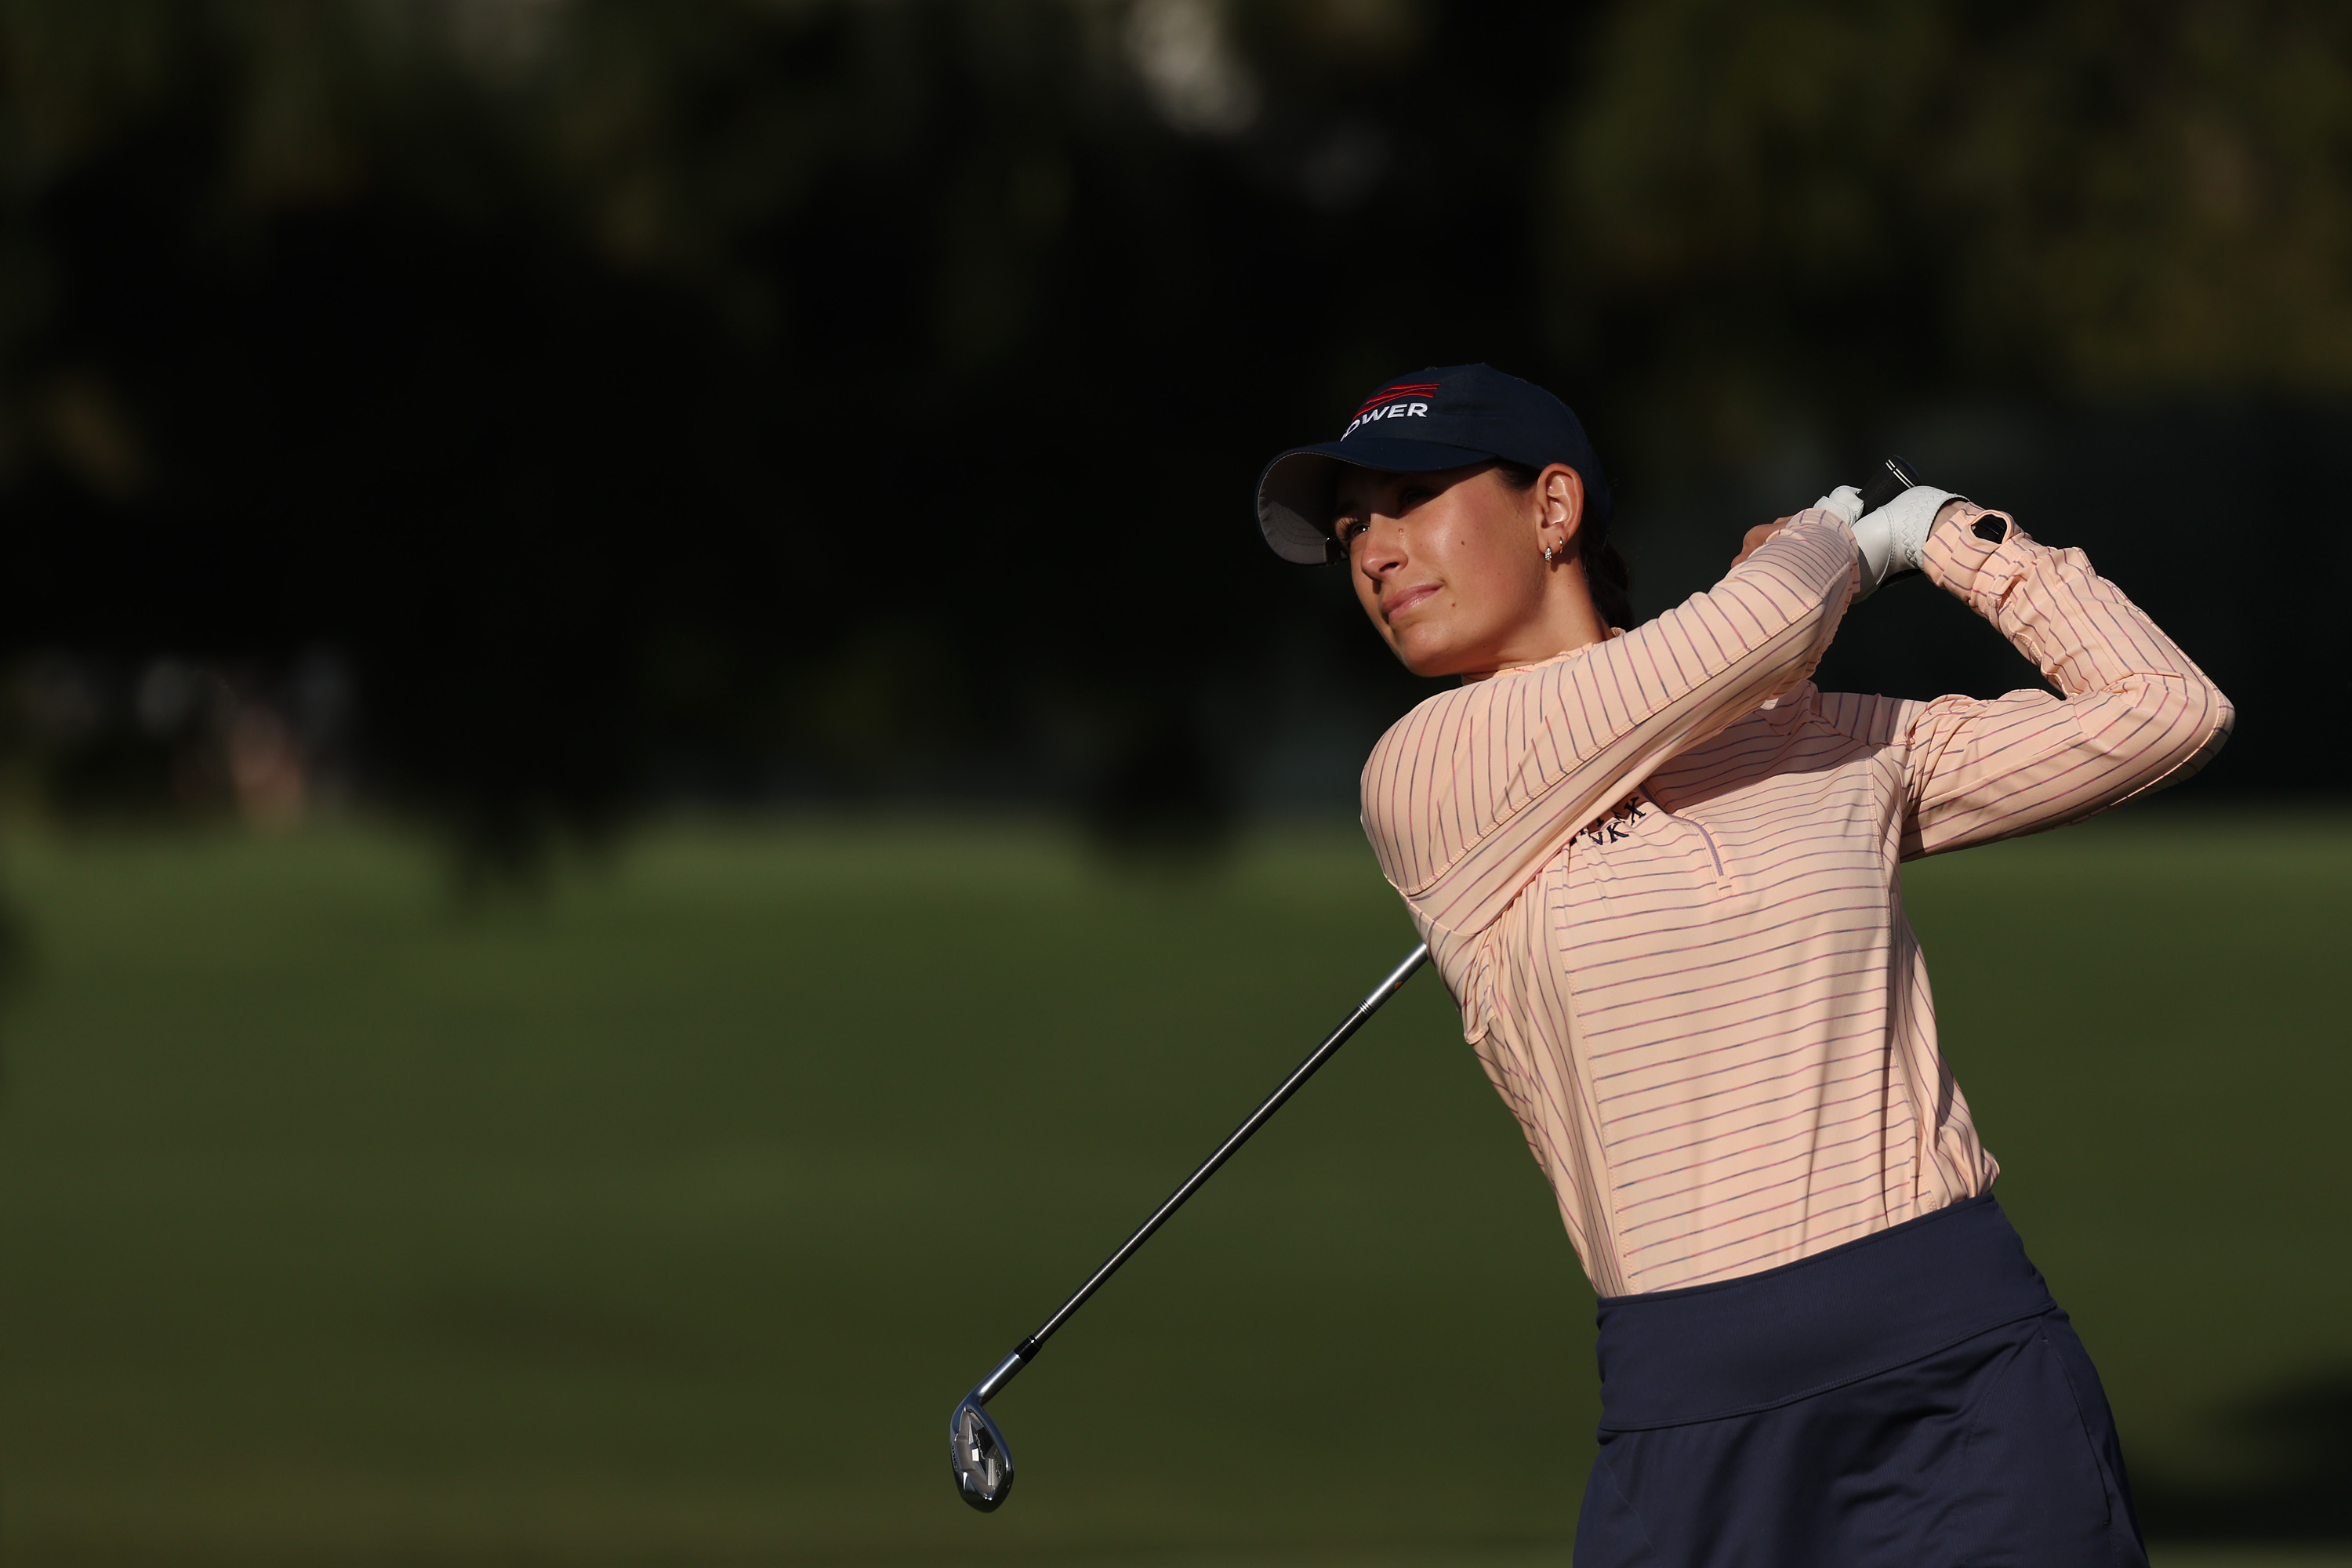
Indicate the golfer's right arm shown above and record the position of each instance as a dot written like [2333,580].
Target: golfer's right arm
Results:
[1468,795]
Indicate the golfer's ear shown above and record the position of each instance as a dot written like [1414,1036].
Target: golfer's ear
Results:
[1562,489]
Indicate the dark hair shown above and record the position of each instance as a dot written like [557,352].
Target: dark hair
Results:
[1605,572]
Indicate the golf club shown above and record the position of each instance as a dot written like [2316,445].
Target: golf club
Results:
[1893,478]
[977,1457]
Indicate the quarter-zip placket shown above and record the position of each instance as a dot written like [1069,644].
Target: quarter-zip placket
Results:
[1714,853]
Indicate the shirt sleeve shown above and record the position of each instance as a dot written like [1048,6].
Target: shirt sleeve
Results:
[2132,713]
[1467,795]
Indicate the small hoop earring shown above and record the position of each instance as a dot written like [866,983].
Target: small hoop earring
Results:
[1547,553]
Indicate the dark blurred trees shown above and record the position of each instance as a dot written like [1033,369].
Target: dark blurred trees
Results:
[1771,209]
[863,399]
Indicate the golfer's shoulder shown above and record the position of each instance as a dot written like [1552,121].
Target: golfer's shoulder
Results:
[1489,727]
[1460,720]
[1420,744]
[1871,719]
[1808,732]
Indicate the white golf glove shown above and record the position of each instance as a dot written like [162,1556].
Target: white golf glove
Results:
[1845,502]
[1894,539]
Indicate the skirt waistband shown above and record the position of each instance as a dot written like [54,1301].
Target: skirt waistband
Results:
[1707,1352]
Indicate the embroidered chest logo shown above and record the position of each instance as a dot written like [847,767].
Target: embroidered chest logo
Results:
[1612,824]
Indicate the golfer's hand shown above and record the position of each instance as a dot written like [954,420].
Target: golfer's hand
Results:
[1756,536]
[1894,539]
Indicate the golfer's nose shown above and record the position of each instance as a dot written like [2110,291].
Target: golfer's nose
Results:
[1383,548]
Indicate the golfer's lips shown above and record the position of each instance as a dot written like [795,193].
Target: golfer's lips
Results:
[1405,599]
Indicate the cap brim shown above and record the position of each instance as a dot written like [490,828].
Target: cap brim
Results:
[1294,494]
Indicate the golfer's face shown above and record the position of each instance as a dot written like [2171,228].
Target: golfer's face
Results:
[1447,565]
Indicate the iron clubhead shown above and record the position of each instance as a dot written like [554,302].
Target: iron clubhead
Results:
[977,1457]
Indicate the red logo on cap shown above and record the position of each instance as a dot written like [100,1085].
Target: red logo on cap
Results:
[1400,402]
[1391,394]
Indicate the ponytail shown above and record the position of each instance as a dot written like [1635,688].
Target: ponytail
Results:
[1606,576]
[1610,579]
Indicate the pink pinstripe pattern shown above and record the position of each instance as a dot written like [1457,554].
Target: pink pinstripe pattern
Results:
[1714,1023]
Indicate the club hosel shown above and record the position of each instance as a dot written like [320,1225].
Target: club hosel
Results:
[1022,1354]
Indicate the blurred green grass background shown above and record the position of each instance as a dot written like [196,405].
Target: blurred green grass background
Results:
[663,1218]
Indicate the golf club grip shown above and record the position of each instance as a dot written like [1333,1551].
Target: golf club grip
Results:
[1027,1350]
[1893,478]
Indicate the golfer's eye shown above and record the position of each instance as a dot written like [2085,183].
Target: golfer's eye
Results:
[1413,497]
[1346,530]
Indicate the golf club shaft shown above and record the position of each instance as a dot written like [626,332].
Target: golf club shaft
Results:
[1026,1351]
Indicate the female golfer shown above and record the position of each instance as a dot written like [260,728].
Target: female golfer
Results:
[1658,870]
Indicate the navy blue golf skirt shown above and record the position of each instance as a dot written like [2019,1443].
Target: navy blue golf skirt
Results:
[1913,1399]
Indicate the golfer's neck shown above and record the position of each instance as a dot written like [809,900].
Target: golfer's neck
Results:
[1566,621]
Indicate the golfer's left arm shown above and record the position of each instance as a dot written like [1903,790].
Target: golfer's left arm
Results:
[2132,713]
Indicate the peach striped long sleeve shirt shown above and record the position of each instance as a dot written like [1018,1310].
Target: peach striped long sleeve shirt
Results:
[1660,876]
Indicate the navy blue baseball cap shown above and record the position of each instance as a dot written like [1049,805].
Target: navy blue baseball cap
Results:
[1448,416]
